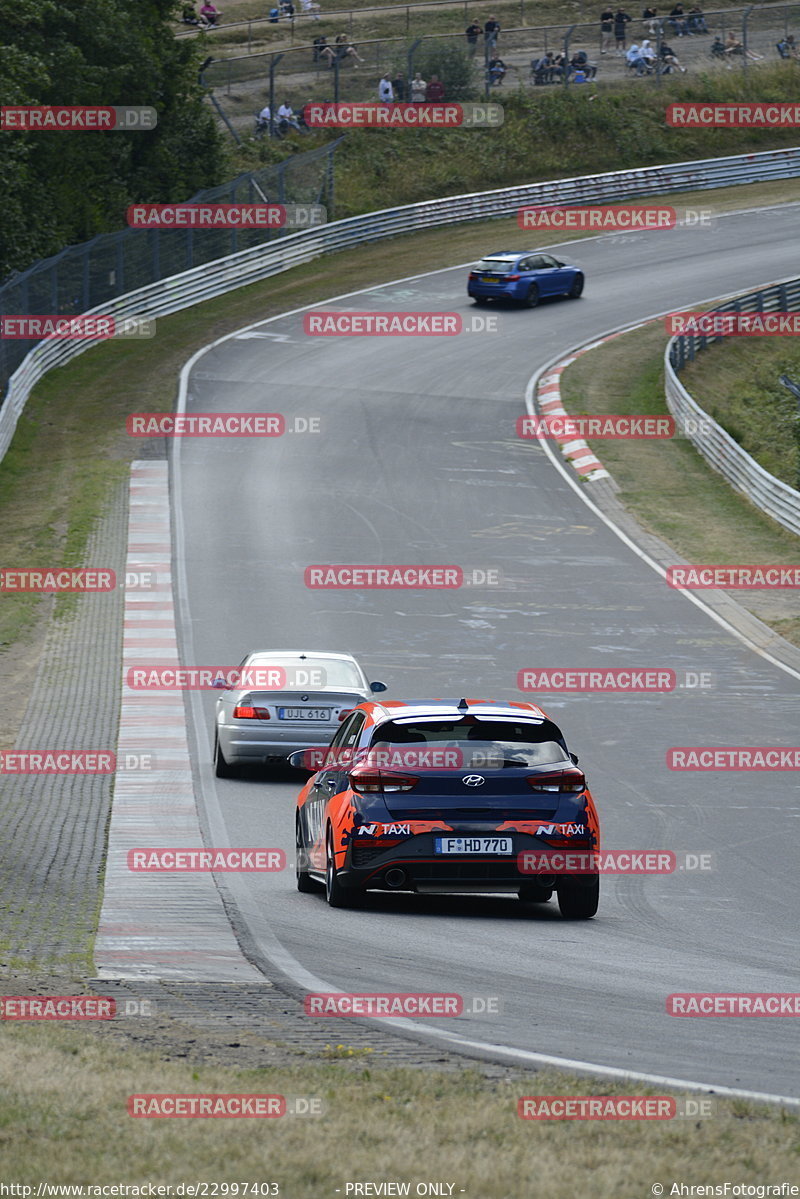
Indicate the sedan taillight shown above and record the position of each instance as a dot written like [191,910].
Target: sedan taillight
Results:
[245,713]
[559,780]
[368,780]
[513,278]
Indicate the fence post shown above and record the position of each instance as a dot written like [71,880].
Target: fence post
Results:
[276,58]
[745,17]
[410,63]
[567,37]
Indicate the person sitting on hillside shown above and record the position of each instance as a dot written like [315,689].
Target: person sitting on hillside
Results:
[734,46]
[497,70]
[635,61]
[320,44]
[696,21]
[677,19]
[345,49]
[189,16]
[786,46]
[210,14]
[310,9]
[580,62]
[670,58]
[287,118]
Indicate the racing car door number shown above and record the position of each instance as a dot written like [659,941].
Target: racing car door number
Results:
[503,845]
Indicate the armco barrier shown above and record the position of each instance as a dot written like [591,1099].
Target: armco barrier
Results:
[719,449]
[249,266]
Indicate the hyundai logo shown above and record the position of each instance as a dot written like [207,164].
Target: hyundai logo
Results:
[473,780]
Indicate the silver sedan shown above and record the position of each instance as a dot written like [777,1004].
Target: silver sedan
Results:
[283,700]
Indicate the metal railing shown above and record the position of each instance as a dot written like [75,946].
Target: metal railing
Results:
[720,450]
[182,290]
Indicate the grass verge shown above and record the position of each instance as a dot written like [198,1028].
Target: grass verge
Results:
[666,485]
[63,1118]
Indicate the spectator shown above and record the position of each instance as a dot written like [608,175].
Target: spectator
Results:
[542,68]
[634,59]
[787,47]
[399,86]
[670,58]
[473,32]
[286,117]
[579,63]
[434,92]
[264,120]
[274,16]
[650,18]
[320,45]
[696,21]
[606,28]
[346,49]
[647,52]
[497,70]
[677,20]
[210,14]
[491,32]
[559,65]
[310,9]
[385,90]
[733,46]
[418,89]
[287,9]
[621,19]
[189,16]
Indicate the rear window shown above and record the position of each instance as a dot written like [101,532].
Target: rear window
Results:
[475,743]
[495,266]
[313,674]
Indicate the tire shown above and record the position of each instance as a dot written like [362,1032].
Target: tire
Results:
[533,894]
[223,769]
[578,899]
[335,894]
[577,287]
[480,300]
[531,297]
[305,882]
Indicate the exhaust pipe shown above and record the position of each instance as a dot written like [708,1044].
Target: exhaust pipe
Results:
[395,877]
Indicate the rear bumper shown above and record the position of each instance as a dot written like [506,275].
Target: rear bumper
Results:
[240,745]
[412,865]
[495,292]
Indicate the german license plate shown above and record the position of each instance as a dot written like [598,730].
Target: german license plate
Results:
[304,713]
[490,279]
[456,845]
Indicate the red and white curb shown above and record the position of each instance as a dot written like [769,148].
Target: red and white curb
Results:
[548,403]
[166,926]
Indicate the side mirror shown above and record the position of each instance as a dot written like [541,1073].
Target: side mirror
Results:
[308,760]
[575,758]
[378,687]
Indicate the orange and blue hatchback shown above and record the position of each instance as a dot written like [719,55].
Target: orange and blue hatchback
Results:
[447,796]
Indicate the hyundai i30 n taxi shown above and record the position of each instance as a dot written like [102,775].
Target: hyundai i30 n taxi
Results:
[447,796]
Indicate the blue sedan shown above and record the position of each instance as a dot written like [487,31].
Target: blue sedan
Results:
[525,278]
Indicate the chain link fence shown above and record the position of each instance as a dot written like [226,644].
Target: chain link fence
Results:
[713,41]
[90,275]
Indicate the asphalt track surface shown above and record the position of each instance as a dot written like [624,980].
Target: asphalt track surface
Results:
[418,462]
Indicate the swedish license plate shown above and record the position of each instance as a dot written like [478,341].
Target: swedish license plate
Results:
[304,713]
[456,845]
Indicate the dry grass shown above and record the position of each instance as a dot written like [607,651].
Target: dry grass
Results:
[63,1118]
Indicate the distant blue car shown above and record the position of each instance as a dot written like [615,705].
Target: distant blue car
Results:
[525,278]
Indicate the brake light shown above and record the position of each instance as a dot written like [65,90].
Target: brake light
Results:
[559,780]
[346,712]
[473,275]
[513,278]
[243,713]
[368,780]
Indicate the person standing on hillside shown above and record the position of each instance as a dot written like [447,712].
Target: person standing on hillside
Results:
[606,28]
[385,90]
[472,33]
[418,89]
[491,32]
[621,19]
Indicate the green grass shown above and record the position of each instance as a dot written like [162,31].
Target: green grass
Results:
[667,485]
[736,382]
